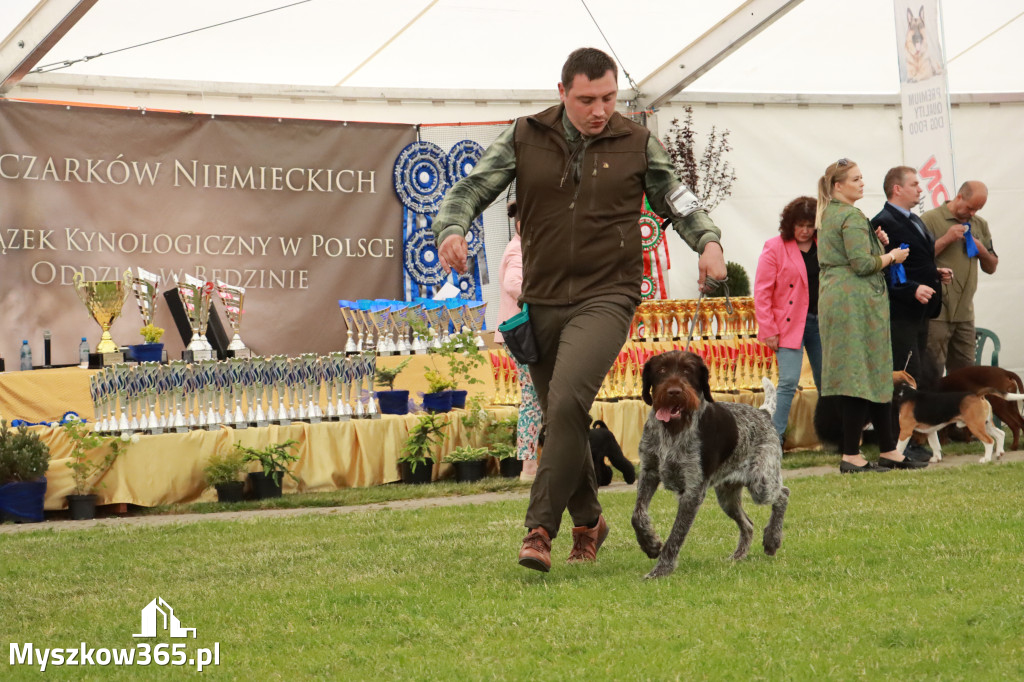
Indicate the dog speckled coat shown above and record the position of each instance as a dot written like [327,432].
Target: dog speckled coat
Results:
[691,443]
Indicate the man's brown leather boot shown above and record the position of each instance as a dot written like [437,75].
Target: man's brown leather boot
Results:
[536,550]
[586,541]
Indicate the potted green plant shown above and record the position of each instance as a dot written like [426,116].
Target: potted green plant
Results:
[416,463]
[508,464]
[152,350]
[390,400]
[438,397]
[223,471]
[87,465]
[470,463]
[24,459]
[500,435]
[462,356]
[275,461]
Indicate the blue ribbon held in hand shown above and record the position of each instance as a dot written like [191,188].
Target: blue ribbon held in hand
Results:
[897,273]
[969,246]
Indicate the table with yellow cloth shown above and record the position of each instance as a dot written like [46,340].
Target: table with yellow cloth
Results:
[168,468]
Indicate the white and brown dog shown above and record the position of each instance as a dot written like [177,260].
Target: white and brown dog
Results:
[691,443]
[995,384]
[927,412]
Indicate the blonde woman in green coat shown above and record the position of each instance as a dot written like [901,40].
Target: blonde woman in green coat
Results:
[853,314]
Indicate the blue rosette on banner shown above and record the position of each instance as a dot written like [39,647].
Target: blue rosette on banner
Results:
[421,176]
[467,286]
[475,238]
[421,259]
[462,159]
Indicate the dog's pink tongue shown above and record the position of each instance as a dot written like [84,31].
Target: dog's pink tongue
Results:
[664,414]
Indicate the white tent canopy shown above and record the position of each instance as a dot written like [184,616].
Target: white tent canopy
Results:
[819,46]
[818,83]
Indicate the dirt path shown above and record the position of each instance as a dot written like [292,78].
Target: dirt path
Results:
[483,498]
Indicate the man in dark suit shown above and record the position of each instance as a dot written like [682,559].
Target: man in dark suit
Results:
[913,302]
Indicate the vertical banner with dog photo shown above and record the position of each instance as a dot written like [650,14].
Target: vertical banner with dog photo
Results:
[927,134]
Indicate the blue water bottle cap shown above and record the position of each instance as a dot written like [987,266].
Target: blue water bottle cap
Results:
[83,338]
[24,342]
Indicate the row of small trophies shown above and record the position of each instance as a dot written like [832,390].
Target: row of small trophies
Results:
[733,365]
[104,299]
[670,320]
[393,327]
[240,392]
[726,341]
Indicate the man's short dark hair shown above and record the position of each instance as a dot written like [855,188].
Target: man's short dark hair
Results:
[590,62]
[895,177]
[513,208]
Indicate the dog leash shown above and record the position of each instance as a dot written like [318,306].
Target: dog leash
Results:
[715,283]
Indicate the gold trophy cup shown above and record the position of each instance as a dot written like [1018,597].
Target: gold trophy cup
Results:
[104,300]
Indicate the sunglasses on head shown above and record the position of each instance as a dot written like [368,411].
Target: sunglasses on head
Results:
[843,162]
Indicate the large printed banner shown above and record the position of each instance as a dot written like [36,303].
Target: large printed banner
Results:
[927,141]
[300,213]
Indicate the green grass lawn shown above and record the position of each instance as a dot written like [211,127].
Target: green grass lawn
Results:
[901,576]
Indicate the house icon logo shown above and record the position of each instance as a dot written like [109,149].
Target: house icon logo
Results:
[158,611]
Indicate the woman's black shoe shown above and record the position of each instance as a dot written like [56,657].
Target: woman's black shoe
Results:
[847,468]
[902,464]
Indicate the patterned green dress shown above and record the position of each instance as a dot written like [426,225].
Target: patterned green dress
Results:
[853,307]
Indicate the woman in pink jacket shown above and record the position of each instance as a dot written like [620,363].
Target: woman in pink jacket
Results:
[786,301]
[511,276]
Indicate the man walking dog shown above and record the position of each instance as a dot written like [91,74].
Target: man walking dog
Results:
[581,171]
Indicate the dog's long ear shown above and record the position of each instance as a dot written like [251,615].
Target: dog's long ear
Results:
[910,15]
[705,383]
[647,381]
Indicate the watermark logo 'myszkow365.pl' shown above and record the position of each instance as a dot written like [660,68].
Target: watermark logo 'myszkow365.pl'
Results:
[157,616]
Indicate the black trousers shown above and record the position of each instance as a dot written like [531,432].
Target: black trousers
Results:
[856,413]
[910,340]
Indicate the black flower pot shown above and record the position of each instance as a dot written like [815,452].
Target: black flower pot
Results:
[510,467]
[424,472]
[82,507]
[232,491]
[22,501]
[264,487]
[459,399]
[473,470]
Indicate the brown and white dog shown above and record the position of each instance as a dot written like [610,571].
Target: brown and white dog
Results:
[920,65]
[691,443]
[995,384]
[927,412]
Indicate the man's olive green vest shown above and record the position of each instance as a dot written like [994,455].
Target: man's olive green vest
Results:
[579,210]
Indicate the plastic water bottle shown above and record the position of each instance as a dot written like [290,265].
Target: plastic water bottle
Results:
[26,355]
[83,353]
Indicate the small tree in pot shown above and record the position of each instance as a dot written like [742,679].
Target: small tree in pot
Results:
[275,461]
[391,401]
[223,472]
[86,467]
[416,462]
[24,459]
